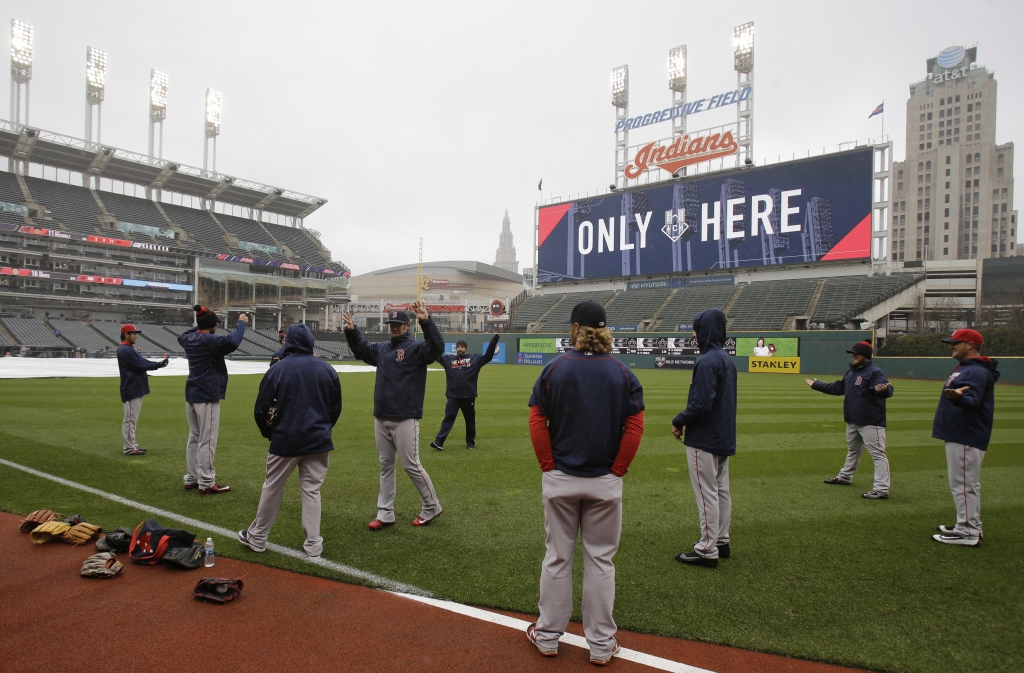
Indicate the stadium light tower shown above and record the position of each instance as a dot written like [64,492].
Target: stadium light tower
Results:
[214,103]
[21,67]
[157,109]
[677,85]
[620,99]
[95,89]
[743,63]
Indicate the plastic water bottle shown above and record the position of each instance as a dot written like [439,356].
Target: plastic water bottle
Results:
[208,560]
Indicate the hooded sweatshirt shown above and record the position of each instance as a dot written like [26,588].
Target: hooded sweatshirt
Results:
[862,405]
[133,367]
[710,413]
[401,369]
[462,372]
[307,393]
[207,373]
[968,419]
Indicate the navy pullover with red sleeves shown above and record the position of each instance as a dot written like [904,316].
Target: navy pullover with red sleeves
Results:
[133,367]
[968,419]
[592,406]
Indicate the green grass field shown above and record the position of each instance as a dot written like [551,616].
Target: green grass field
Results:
[817,572]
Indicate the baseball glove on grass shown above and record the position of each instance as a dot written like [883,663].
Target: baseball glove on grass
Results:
[81,533]
[117,540]
[102,565]
[218,589]
[45,532]
[37,517]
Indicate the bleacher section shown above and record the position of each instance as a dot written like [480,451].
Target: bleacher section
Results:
[767,305]
[261,338]
[335,349]
[844,296]
[198,224]
[557,320]
[30,332]
[80,334]
[689,301]
[300,243]
[136,211]
[530,309]
[247,347]
[112,330]
[630,307]
[10,192]
[74,206]
[251,231]
[165,340]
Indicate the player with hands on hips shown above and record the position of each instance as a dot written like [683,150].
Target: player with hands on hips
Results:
[398,392]
[461,374]
[707,426]
[963,420]
[865,389]
[134,385]
[586,422]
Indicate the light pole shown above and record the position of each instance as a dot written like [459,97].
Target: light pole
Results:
[157,110]
[95,89]
[743,63]
[22,39]
[214,104]
[677,85]
[620,99]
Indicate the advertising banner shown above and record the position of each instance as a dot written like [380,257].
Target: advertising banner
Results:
[99,280]
[537,346]
[811,210]
[675,362]
[651,345]
[146,229]
[768,347]
[622,328]
[531,358]
[499,355]
[260,247]
[773,365]
[16,208]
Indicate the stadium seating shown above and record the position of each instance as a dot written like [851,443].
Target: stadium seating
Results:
[246,230]
[74,206]
[265,339]
[336,349]
[80,334]
[689,301]
[766,305]
[10,192]
[843,297]
[166,340]
[557,320]
[629,308]
[31,332]
[300,243]
[112,331]
[532,308]
[199,226]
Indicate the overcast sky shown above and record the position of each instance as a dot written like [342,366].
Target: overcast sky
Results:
[429,119]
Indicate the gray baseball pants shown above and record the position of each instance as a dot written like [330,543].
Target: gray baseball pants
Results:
[872,438]
[399,438]
[131,419]
[709,476]
[964,465]
[312,471]
[591,507]
[203,426]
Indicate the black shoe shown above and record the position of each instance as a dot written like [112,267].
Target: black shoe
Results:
[837,480]
[470,445]
[723,549]
[435,445]
[695,559]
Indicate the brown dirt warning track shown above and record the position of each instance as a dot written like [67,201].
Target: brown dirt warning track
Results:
[146,619]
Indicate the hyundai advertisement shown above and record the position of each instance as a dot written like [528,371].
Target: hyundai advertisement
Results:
[805,211]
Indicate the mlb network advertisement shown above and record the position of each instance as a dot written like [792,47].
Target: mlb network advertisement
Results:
[811,210]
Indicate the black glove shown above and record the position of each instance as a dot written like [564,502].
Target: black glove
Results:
[164,362]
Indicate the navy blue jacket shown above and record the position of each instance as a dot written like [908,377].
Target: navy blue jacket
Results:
[207,374]
[586,399]
[968,419]
[133,367]
[307,394]
[401,369]
[710,413]
[462,373]
[276,357]
[861,405]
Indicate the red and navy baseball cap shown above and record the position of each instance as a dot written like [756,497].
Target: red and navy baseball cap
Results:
[861,348]
[396,316]
[129,328]
[965,335]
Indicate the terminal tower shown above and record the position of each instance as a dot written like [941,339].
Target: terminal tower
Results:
[505,258]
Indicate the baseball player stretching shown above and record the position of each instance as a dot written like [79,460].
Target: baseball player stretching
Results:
[462,373]
[865,390]
[398,406]
[709,424]
[134,384]
[586,422]
[963,420]
[205,387]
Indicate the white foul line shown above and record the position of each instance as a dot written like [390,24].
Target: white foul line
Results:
[392,587]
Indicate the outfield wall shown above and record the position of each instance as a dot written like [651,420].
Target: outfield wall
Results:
[1011,369]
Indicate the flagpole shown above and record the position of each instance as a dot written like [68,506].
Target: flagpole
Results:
[883,120]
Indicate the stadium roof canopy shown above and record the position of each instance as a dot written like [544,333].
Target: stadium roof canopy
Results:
[478,268]
[25,143]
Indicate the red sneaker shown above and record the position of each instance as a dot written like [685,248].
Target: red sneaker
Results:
[531,634]
[377,524]
[191,487]
[420,521]
[216,488]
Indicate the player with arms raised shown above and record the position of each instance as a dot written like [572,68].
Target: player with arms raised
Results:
[462,373]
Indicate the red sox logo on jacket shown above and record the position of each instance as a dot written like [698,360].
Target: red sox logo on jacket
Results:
[400,354]
[860,380]
[952,377]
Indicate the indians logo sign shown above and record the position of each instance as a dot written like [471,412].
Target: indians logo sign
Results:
[683,151]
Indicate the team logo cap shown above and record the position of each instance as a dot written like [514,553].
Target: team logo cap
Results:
[968,335]
[130,329]
[400,317]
